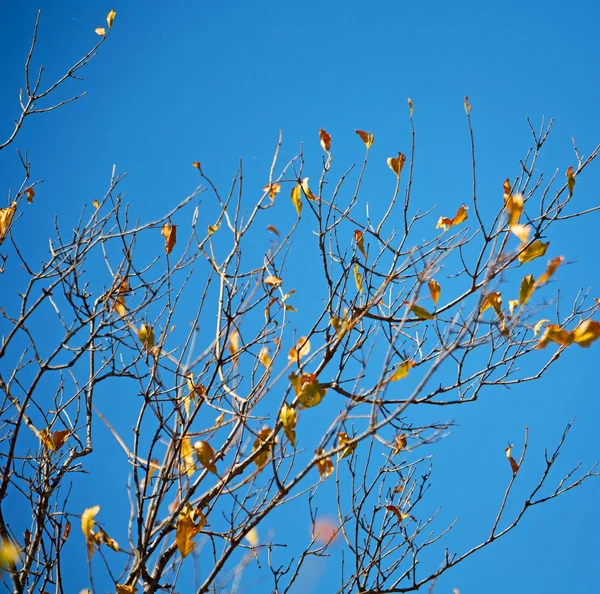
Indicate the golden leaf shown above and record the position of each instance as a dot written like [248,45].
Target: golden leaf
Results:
[289,419]
[507,190]
[187,457]
[345,442]
[538,327]
[550,270]
[107,540]
[263,435]
[360,242]
[467,105]
[297,199]
[170,234]
[110,17]
[308,389]
[213,229]
[273,190]
[302,349]
[399,443]
[197,165]
[396,163]
[358,279]
[146,336]
[401,516]
[340,325]
[272,281]
[6,216]
[410,107]
[586,333]
[87,527]
[30,194]
[526,289]
[123,589]
[460,216]
[570,180]
[55,441]
[512,305]
[96,204]
[273,230]
[325,140]
[205,455]
[522,232]
[264,357]
[309,195]
[434,290]
[401,371]
[514,208]
[252,537]
[513,465]
[554,333]
[119,306]
[324,466]
[421,313]
[234,345]
[187,529]
[100,31]
[367,138]
[493,300]
[535,250]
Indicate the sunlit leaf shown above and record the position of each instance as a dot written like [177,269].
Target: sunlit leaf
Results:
[213,229]
[107,540]
[460,216]
[95,204]
[297,199]
[309,195]
[493,300]
[367,138]
[467,105]
[421,313]
[205,455]
[536,250]
[252,537]
[146,336]
[187,457]
[6,216]
[358,279]
[30,194]
[324,466]
[526,289]
[550,270]
[512,305]
[272,281]
[514,208]
[55,440]
[434,290]
[410,107]
[263,436]
[325,140]
[100,31]
[197,165]
[273,189]
[189,523]
[586,333]
[273,230]
[513,464]
[570,180]
[522,232]
[399,443]
[401,371]
[538,327]
[340,325]
[302,349]
[308,389]
[110,17]
[554,333]
[396,163]
[264,357]
[360,242]
[289,419]
[401,516]
[170,234]
[345,440]
[507,190]
[123,589]
[87,527]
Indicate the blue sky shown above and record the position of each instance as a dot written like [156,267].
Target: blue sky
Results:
[215,82]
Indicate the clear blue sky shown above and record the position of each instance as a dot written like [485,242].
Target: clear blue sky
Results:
[212,82]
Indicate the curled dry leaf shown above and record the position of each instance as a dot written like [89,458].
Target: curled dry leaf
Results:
[434,290]
[550,270]
[512,305]
[507,190]
[401,516]
[100,31]
[297,199]
[570,180]
[123,589]
[325,140]
[410,107]
[187,457]
[263,437]
[460,216]
[273,229]
[358,279]
[401,371]
[54,441]
[205,455]
[399,443]
[6,216]
[309,195]
[170,234]
[302,349]
[189,524]
[514,208]
[536,250]
[367,138]
[345,440]
[30,194]
[272,281]
[526,289]
[467,105]
[87,527]
[273,190]
[289,419]
[493,300]
[308,389]
[324,466]
[264,357]
[197,165]
[359,238]
[397,163]
[110,17]
[538,327]
[213,229]
[95,204]
[513,464]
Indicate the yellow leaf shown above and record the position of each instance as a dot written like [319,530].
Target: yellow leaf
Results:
[521,231]
[360,242]
[263,435]
[187,457]
[570,180]
[273,230]
[367,138]
[272,281]
[421,312]
[197,165]
[170,234]
[288,420]
[514,208]
[460,216]
[30,194]
[6,216]
[526,289]
[401,371]
[550,270]
[309,195]
[493,300]
[538,327]
[554,333]
[9,554]
[399,443]
[100,31]
[146,336]
[252,537]
[297,199]
[324,466]
[513,465]
[586,333]
[122,589]
[308,389]
[344,440]
[273,190]
[55,441]
[205,455]
[110,17]
[434,290]
[512,305]
[358,279]
[507,190]
[325,140]
[535,250]
[302,349]
[213,229]
[340,325]
[234,345]
[189,523]
[401,516]
[396,163]
[108,541]
[96,204]
[467,105]
[410,107]
[87,527]
[264,357]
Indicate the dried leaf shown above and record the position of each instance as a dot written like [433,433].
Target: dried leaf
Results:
[538,327]
[536,250]
[434,290]
[324,466]
[205,455]
[526,289]
[410,107]
[302,349]
[100,31]
[96,204]
[340,325]
[514,208]
[360,242]
[398,513]
[110,17]
[325,140]
[170,234]
[309,195]
[421,313]
[399,443]
[513,465]
[87,527]
[460,216]
[252,537]
[550,270]
[197,165]
[401,371]
[146,336]
[189,523]
[30,194]
[297,199]
[358,279]
[66,531]
[396,163]
[213,229]
[507,190]
[344,440]
[493,300]
[570,181]
[122,589]
[263,435]
[586,333]
[273,189]
[273,230]
[308,389]
[107,540]
[264,357]
[6,216]
[467,105]
[272,281]
[288,420]
[554,333]
[512,305]
[187,457]
[522,232]
[367,138]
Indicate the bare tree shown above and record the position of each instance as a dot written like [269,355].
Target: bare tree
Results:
[247,406]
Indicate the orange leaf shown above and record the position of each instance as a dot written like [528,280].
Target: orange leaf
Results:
[398,513]
[399,443]
[396,163]
[273,190]
[360,242]
[550,270]
[493,300]
[273,230]
[460,216]
[586,333]
[297,199]
[367,138]
[325,140]
[30,194]
[6,216]
[272,281]
[467,105]
[324,466]
[434,290]
[554,333]
[514,466]
[570,181]
[196,164]
[170,234]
